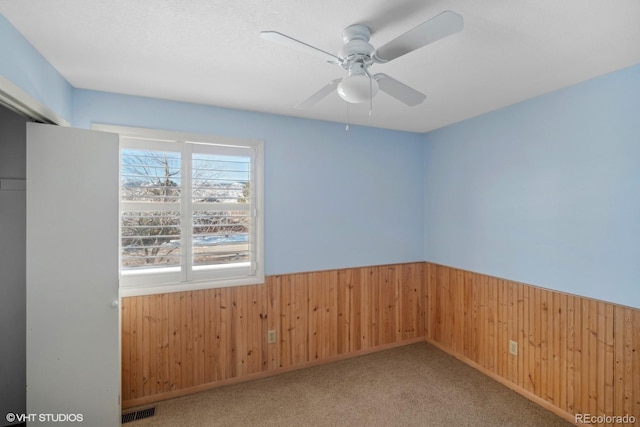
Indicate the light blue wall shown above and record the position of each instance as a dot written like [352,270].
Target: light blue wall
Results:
[333,198]
[545,192]
[25,67]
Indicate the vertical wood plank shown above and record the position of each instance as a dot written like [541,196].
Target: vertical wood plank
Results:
[579,356]
[213,332]
[619,370]
[492,325]
[389,301]
[561,350]
[629,348]
[441,306]
[314,315]
[225,349]
[198,321]
[186,312]
[586,367]
[154,332]
[458,334]
[286,321]
[365,289]
[344,309]
[453,311]
[537,334]
[407,311]
[165,333]
[609,372]
[522,310]
[398,304]
[571,355]
[503,332]
[255,326]
[483,314]
[242,337]
[300,331]
[593,352]
[544,345]
[373,287]
[420,284]
[635,376]
[332,314]
[527,339]
[126,338]
[147,346]
[467,312]
[274,316]
[552,335]
[355,317]
[431,301]
[512,323]
[375,318]
[601,350]
[175,341]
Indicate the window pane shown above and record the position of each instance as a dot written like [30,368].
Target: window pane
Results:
[221,237]
[150,176]
[221,179]
[150,191]
[150,239]
[221,234]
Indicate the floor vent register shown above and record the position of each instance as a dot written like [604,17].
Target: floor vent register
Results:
[138,415]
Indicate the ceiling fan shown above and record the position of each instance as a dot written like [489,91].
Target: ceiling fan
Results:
[358,55]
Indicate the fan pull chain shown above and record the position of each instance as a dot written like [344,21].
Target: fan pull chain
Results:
[347,126]
[370,95]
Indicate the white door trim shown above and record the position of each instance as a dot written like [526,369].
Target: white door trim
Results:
[24,104]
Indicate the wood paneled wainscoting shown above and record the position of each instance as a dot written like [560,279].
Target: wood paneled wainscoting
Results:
[178,343]
[575,355]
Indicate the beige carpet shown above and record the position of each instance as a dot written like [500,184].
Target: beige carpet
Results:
[414,385]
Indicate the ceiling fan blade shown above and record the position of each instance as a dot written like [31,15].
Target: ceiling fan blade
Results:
[276,37]
[319,95]
[436,28]
[399,91]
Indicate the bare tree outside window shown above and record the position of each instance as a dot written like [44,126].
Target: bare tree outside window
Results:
[151,180]
[152,230]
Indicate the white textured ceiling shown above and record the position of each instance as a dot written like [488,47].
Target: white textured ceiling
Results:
[210,52]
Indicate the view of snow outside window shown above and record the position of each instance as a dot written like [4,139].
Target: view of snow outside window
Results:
[168,221]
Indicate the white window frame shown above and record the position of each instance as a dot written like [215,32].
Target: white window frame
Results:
[141,283]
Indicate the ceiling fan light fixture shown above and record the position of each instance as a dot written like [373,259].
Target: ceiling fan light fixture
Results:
[355,88]
[357,55]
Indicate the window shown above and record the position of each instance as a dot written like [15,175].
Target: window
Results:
[190,212]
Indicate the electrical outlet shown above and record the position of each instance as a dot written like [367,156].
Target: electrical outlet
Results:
[513,347]
[271,337]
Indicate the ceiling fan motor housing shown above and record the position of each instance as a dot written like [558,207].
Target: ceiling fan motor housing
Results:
[357,55]
[356,44]
[356,32]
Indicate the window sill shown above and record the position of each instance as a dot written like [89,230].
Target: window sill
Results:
[165,288]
